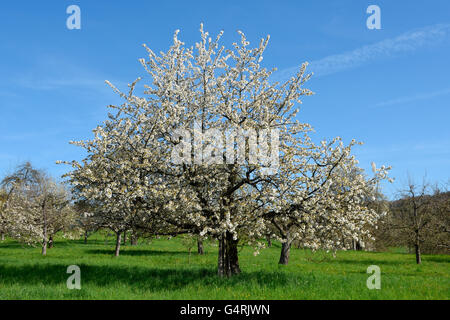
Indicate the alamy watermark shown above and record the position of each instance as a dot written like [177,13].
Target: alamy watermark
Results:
[74,20]
[74,281]
[234,146]
[374,281]
[374,20]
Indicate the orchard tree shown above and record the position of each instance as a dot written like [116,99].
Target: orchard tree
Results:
[94,183]
[320,197]
[115,179]
[37,207]
[17,190]
[420,219]
[86,220]
[199,151]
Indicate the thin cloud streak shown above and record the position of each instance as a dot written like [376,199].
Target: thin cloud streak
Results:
[54,84]
[406,42]
[417,97]
[56,73]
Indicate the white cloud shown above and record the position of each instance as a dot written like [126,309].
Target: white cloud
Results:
[406,42]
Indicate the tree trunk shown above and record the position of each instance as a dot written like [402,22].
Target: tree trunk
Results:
[124,237]
[118,239]
[269,241]
[44,239]
[50,242]
[285,250]
[44,245]
[418,257]
[228,262]
[356,245]
[200,247]
[85,237]
[3,236]
[134,239]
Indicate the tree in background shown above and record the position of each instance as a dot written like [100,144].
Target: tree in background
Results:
[36,206]
[420,219]
[437,237]
[86,219]
[320,200]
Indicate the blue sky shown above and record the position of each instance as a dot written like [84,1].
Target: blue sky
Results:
[389,88]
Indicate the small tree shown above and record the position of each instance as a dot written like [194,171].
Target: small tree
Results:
[419,218]
[86,220]
[189,241]
[37,207]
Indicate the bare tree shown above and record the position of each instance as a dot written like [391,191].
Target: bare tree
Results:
[420,218]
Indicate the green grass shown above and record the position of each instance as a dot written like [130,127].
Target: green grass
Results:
[164,270]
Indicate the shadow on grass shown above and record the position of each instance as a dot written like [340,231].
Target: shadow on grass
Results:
[56,244]
[125,252]
[375,261]
[91,242]
[368,262]
[441,258]
[154,279]
[13,245]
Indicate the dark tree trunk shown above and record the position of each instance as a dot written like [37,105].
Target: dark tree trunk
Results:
[285,250]
[124,238]
[85,237]
[118,239]
[269,241]
[228,262]
[200,247]
[356,245]
[418,256]
[50,242]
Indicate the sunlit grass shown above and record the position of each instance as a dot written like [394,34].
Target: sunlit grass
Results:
[163,269]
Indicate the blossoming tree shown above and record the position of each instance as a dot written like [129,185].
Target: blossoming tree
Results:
[320,197]
[170,158]
[36,207]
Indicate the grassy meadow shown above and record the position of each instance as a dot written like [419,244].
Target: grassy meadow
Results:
[163,269]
